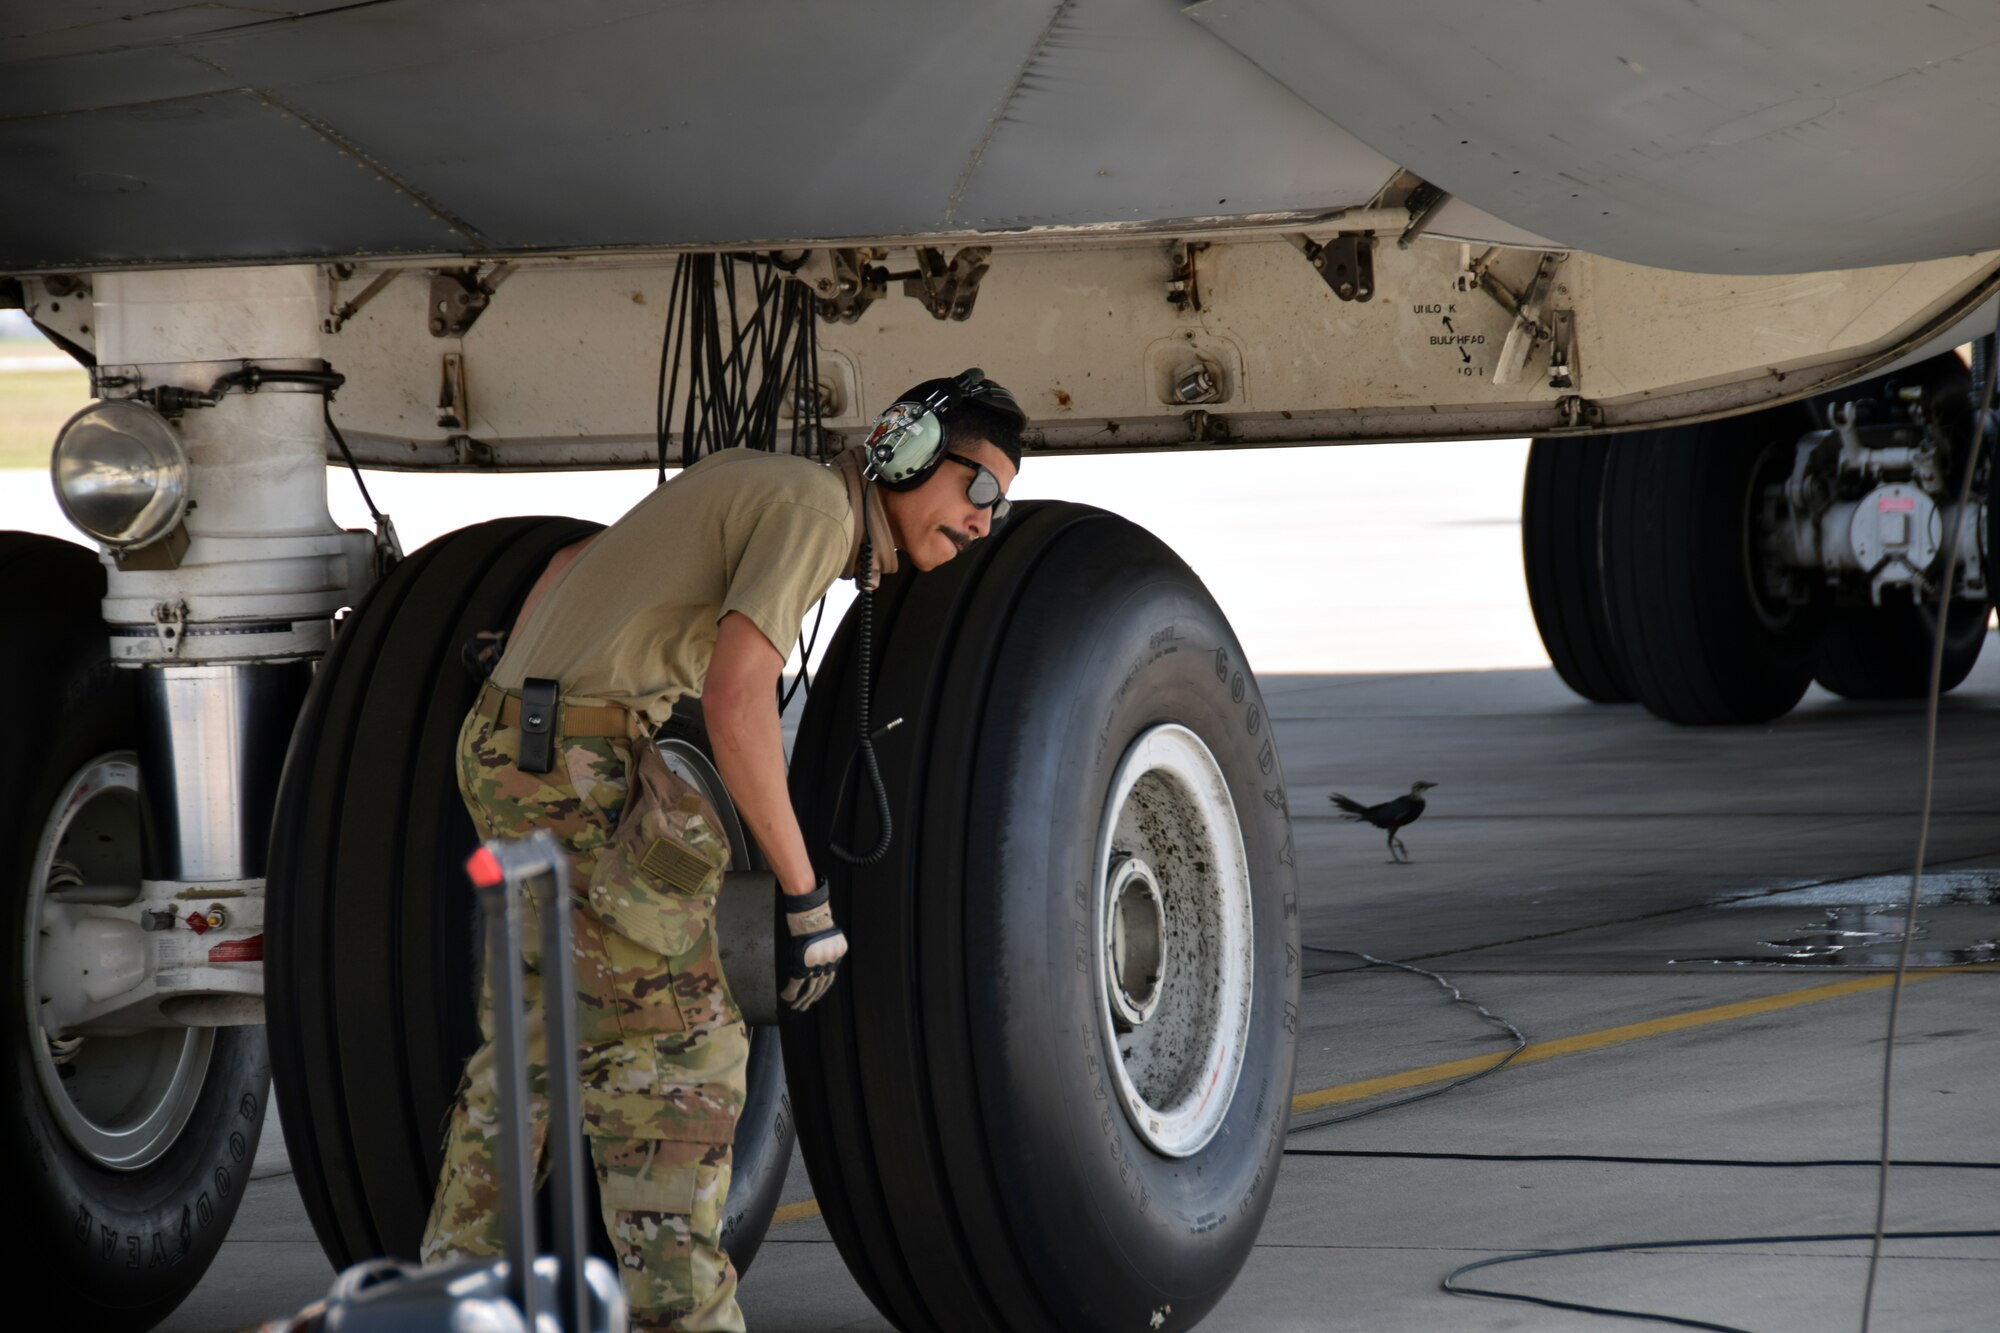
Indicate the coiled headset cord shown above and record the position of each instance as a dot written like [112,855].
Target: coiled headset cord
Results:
[864,674]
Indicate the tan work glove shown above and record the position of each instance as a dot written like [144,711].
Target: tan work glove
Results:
[807,968]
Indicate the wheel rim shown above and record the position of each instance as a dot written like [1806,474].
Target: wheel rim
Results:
[123,1100]
[685,761]
[1173,940]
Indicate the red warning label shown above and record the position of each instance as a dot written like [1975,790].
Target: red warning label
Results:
[238,951]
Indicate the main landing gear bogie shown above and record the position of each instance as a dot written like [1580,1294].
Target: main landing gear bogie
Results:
[1713,571]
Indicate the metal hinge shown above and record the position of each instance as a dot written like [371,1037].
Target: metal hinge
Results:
[1346,262]
[454,410]
[170,626]
[948,289]
[1183,279]
[459,296]
[844,282]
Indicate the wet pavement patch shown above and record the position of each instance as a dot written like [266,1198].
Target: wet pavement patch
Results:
[1861,923]
[1967,887]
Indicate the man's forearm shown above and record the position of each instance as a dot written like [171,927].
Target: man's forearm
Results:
[750,754]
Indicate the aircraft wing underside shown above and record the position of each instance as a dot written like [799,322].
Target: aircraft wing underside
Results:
[1736,136]
[221,132]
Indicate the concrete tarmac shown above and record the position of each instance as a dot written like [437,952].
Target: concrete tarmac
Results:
[1585,872]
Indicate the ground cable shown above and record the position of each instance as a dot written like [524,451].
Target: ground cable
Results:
[1457,997]
[1952,559]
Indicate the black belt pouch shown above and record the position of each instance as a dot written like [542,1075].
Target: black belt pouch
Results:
[538,725]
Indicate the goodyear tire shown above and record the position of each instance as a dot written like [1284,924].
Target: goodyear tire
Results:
[372,938]
[1088,898]
[128,1155]
[1706,638]
[1562,530]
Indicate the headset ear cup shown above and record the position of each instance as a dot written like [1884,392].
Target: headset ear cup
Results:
[908,449]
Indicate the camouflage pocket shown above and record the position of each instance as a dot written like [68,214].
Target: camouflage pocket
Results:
[655,884]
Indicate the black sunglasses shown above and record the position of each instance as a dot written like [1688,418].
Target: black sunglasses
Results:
[984,489]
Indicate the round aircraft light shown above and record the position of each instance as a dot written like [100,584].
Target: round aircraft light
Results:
[121,474]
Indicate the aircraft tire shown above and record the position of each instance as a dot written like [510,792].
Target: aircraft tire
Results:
[1561,551]
[1884,652]
[373,953]
[98,1246]
[1704,643]
[961,1104]
[1869,652]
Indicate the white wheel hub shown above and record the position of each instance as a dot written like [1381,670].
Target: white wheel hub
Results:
[121,1099]
[1174,937]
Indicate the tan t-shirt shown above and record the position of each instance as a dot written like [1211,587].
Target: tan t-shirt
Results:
[632,620]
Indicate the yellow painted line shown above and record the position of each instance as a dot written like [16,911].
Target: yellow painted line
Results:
[1549,1050]
[1594,1041]
[795,1212]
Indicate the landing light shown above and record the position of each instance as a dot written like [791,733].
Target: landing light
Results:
[121,474]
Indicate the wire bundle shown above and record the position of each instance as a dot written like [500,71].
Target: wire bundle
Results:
[739,368]
[740,363]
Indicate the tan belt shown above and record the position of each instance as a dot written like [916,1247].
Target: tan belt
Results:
[504,707]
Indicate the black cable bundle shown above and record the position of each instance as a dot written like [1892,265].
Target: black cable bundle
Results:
[738,375]
[739,367]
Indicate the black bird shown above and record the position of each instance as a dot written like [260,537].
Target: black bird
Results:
[1390,815]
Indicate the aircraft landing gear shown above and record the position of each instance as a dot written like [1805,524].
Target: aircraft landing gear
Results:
[130,1141]
[1713,571]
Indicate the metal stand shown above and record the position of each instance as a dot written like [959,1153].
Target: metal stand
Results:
[535,865]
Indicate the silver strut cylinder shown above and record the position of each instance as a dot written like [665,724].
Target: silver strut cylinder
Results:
[224,630]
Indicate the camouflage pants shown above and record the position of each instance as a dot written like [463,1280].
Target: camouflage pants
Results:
[661,1046]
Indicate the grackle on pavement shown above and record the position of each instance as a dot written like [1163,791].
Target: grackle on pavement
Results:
[1390,815]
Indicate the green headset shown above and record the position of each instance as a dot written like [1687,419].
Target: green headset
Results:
[907,441]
